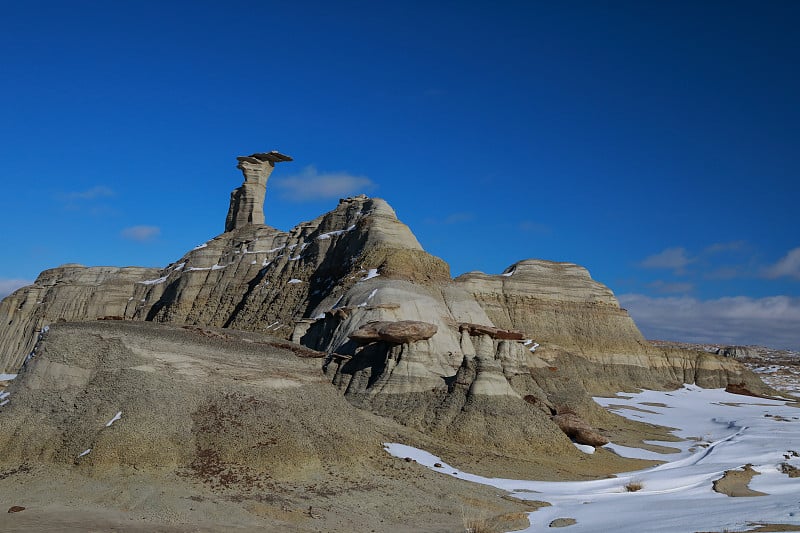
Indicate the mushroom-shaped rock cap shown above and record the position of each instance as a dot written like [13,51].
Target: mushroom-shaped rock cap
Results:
[265,157]
[493,332]
[400,332]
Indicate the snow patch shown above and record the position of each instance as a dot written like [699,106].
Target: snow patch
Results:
[84,452]
[585,448]
[371,273]
[7,377]
[154,281]
[213,267]
[295,280]
[719,431]
[116,417]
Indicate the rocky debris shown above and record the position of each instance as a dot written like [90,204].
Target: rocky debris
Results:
[578,429]
[493,332]
[790,470]
[247,201]
[400,332]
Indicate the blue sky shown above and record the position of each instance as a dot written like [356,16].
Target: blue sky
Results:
[657,144]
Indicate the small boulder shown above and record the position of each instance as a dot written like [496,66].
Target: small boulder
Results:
[577,429]
[15,509]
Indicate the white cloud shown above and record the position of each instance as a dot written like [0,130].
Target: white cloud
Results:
[100,191]
[671,259]
[772,321]
[311,185]
[788,267]
[9,285]
[141,233]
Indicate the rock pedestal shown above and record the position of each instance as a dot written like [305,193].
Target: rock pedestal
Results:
[247,201]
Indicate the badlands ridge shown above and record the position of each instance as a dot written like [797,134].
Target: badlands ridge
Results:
[256,377]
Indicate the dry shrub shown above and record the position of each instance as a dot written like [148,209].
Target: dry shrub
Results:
[634,486]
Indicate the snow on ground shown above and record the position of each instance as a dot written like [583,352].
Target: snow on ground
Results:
[154,281]
[371,295]
[116,417]
[372,273]
[7,377]
[335,233]
[720,432]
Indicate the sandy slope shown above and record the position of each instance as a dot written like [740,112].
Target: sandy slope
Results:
[223,430]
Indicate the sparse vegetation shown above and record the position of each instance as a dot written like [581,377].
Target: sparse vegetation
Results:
[473,523]
[634,486]
[477,526]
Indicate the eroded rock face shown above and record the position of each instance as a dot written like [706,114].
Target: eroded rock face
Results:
[738,352]
[558,303]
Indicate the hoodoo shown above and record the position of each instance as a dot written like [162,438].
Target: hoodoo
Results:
[247,201]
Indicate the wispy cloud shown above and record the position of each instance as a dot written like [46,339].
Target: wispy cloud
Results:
[722,247]
[312,185]
[90,201]
[141,233]
[787,267]
[674,259]
[9,285]
[100,191]
[773,321]
[666,287]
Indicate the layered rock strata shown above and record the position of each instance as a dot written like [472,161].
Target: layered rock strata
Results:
[486,358]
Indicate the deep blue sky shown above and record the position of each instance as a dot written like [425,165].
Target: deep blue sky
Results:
[657,144]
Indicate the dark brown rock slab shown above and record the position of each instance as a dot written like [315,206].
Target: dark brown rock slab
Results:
[493,332]
[578,429]
[399,332]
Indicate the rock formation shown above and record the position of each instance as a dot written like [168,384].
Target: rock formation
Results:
[247,201]
[483,359]
[738,352]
